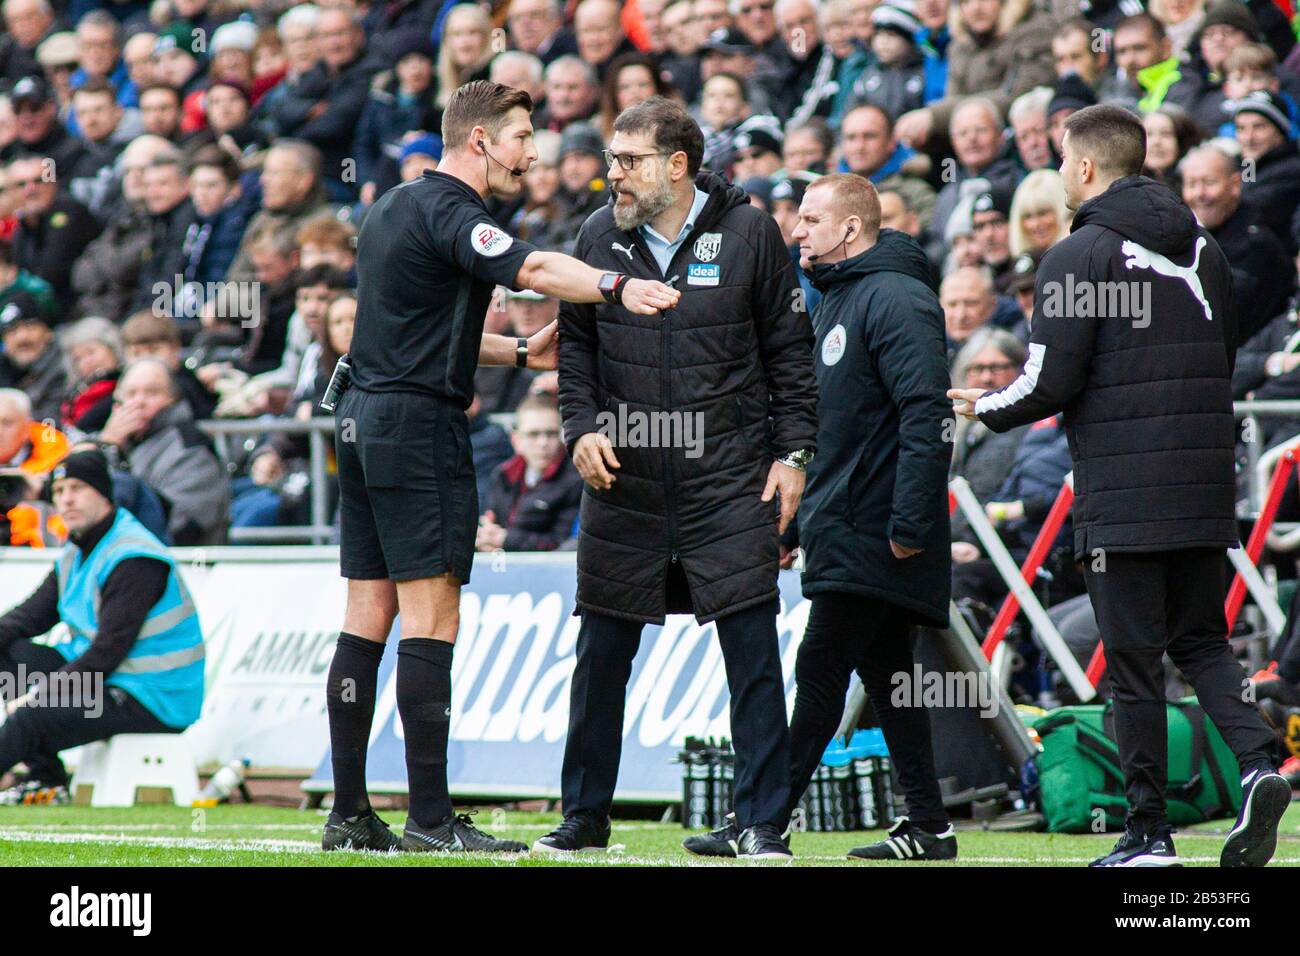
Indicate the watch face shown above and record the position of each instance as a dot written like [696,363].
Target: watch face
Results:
[607,282]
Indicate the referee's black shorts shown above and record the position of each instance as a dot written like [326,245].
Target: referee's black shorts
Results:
[408,501]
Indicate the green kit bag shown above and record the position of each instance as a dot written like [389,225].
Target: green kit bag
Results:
[1079,770]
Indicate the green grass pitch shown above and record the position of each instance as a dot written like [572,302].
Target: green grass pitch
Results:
[242,835]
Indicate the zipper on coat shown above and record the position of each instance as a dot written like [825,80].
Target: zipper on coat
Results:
[666,452]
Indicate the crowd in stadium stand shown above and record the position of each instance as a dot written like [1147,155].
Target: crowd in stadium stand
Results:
[182,181]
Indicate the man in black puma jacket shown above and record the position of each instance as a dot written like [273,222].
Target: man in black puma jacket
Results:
[1133,337]
[684,426]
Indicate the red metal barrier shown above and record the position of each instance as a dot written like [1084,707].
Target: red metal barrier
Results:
[1259,533]
[1029,570]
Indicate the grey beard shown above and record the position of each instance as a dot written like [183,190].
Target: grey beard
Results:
[644,207]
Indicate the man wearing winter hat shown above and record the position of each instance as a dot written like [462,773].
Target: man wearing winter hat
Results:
[756,149]
[231,50]
[1072,94]
[31,360]
[582,181]
[991,220]
[896,80]
[1267,140]
[176,53]
[133,662]
[418,154]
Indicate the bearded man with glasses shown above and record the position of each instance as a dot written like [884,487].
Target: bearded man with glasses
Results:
[687,428]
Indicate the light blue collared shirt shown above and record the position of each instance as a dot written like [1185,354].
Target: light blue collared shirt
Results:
[661,248]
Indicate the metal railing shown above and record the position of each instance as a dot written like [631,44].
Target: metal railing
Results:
[319,432]
[1250,414]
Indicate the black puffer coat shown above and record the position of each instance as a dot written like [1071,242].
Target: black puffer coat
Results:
[736,356]
[1147,399]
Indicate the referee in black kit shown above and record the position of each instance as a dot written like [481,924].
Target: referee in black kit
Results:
[428,258]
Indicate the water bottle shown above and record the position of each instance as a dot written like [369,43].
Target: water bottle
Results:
[223,783]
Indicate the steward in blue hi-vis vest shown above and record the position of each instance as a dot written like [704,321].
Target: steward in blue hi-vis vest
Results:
[164,668]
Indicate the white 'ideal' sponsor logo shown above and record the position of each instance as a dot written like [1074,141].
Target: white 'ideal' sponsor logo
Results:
[708,246]
[489,240]
[833,345]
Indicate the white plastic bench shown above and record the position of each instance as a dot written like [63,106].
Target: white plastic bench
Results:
[117,767]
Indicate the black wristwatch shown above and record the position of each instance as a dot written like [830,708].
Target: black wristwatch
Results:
[611,287]
[521,353]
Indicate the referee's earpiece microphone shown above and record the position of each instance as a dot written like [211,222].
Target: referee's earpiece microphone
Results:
[848,234]
[513,171]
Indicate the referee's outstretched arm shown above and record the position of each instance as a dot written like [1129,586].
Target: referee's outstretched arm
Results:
[564,277]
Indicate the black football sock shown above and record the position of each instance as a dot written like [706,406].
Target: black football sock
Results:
[350,700]
[424,703]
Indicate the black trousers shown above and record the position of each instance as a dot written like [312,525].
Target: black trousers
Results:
[35,735]
[848,632]
[752,657]
[1169,601]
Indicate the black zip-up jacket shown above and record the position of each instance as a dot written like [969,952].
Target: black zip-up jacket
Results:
[881,470]
[1147,399]
[734,357]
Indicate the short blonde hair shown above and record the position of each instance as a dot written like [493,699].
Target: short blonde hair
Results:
[1041,188]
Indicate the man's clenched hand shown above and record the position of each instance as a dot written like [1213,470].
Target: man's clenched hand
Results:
[646,297]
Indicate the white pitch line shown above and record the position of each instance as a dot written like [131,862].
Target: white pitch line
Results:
[586,860]
[278,846]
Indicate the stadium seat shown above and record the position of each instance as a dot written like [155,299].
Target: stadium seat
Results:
[117,767]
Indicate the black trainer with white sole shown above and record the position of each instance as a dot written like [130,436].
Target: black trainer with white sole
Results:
[579,833]
[1265,795]
[762,841]
[1139,848]
[456,834]
[722,841]
[365,832]
[719,842]
[908,842]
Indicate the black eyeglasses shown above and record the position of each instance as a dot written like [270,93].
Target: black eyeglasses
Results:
[628,160]
[993,368]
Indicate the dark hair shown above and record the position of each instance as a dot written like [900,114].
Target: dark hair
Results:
[1154,26]
[669,125]
[734,78]
[609,93]
[332,277]
[217,158]
[160,86]
[479,103]
[1111,136]
[1187,132]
